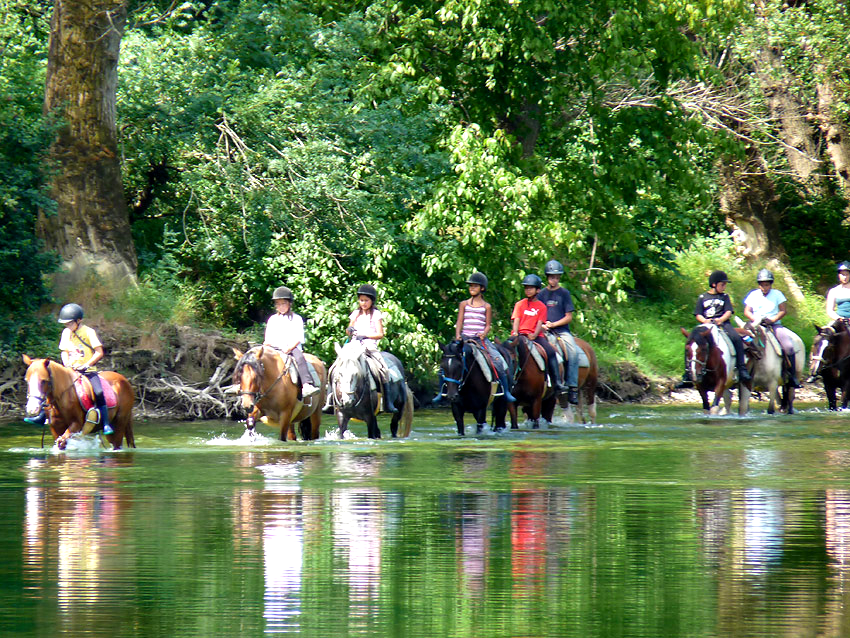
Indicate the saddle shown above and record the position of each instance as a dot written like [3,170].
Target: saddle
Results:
[85,394]
[292,369]
[563,351]
[376,374]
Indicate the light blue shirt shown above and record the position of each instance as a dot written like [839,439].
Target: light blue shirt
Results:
[764,305]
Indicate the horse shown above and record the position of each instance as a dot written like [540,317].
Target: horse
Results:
[529,380]
[711,367]
[268,393]
[588,378]
[768,374]
[469,390]
[50,387]
[352,394]
[830,359]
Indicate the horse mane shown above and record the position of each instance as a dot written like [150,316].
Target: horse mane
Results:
[700,336]
[248,359]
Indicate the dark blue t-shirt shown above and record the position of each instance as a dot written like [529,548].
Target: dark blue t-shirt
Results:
[558,303]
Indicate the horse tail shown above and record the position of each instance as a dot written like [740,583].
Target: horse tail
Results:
[407,413]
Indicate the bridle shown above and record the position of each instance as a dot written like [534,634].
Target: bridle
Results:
[259,395]
[464,371]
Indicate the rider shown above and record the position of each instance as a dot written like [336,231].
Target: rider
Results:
[81,350]
[473,322]
[715,307]
[559,314]
[528,317]
[838,298]
[767,305]
[285,332]
[367,325]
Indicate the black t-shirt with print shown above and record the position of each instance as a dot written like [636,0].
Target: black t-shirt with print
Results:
[713,305]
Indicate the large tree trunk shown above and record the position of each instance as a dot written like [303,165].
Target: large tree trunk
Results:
[747,200]
[91,230]
[835,133]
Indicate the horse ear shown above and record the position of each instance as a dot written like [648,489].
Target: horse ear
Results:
[444,347]
[685,332]
[27,360]
[237,354]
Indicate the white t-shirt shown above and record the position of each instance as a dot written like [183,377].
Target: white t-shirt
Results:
[284,331]
[764,305]
[366,324]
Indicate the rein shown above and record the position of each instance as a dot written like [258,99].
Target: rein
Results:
[260,395]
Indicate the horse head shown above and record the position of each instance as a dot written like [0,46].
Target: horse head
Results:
[698,350]
[824,349]
[452,367]
[349,374]
[248,375]
[39,384]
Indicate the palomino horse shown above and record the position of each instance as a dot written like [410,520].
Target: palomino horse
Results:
[711,366]
[768,374]
[588,378]
[468,390]
[354,397]
[529,380]
[268,391]
[50,386]
[831,361]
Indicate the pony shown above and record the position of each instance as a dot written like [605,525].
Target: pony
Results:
[529,380]
[352,394]
[830,359]
[588,379]
[768,374]
[468,390]
[50,387]
[269,393]
[711,367]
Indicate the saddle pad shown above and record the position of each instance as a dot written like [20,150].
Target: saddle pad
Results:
[84,392]
[481,360]
[563,353]
[375,376]
[773,341]
[289,362]
[536,355]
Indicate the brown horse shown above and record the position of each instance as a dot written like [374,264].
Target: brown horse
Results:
[529,380]
[267,391]
[588,378]
[830,360]
[712,368]
[50,386]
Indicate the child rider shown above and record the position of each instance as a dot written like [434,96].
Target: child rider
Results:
[285,332]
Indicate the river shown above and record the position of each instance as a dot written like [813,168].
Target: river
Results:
[656,522]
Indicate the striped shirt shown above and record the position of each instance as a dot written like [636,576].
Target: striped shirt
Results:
[474,320]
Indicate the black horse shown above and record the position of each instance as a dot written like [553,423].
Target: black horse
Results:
[468,390]
[353,396]
[830,359]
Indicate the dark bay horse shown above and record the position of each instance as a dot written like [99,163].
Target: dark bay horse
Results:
[711,367]
[830,359]
[588,378]
[269,393]
[50,386]
[353,396]
[468,390]
[529,380]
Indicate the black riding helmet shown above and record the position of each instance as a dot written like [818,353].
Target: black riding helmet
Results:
[70,312]
[282,292]
[478,278]
[553,267]
[369,291]
[532,280]
[716,277]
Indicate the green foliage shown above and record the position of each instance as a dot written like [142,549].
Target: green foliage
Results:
[24,137]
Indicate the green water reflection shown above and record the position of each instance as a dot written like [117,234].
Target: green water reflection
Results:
[658,522]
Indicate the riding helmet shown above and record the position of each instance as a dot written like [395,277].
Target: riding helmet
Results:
[532,280]
[716,277]
[369,291]
[844,265]
[282,293]
[764,275]
[70,312]
[478,278]
[553,267]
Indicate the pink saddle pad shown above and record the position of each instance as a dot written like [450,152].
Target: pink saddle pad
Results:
[84,393]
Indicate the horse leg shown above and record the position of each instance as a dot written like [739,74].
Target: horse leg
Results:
[457,413]
[394,423]
[341,422]
[372,428]
[788,399]
[743,399]
[534,414]
[512,411]
[500,409]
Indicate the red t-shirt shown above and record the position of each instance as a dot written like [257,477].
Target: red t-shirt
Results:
[530,313]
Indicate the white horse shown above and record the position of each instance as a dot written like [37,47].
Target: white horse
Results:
[767,376]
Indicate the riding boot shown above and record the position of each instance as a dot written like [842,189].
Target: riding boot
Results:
[503,381]
[555,377]
[687,379]
[744,374]
[792,371]
[38,419]
[104,418]
[389,398]
[572,396]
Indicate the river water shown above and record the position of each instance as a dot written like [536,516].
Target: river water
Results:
[656,522]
